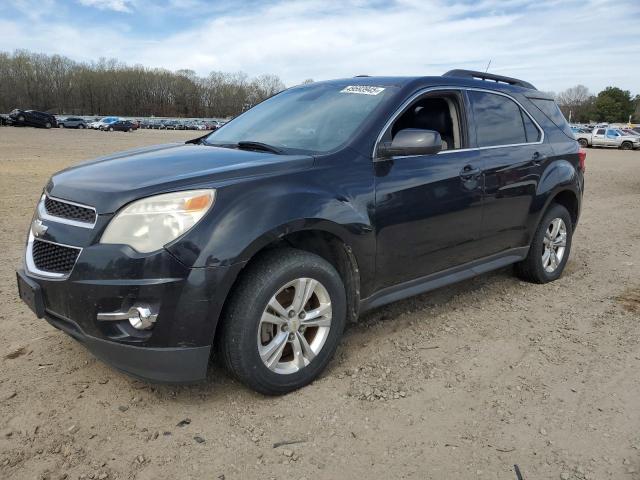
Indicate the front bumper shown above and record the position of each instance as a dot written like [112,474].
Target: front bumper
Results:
[112,278]
[170,365]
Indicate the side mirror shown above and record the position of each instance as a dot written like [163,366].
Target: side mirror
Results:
[411,141]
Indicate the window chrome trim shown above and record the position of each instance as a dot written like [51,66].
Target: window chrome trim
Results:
[423,91]
[44,215]
[31,266]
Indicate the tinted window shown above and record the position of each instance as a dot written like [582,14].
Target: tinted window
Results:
[533,134]
[600,132]
[553,113]
[498,120]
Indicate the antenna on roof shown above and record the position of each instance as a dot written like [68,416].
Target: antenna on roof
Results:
[488,65]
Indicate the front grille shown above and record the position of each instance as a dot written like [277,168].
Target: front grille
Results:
[69,211]
[50,257]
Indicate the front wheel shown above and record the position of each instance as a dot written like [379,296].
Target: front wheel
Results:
[61,125]
[111,129]
[284,321]
[550,247]
[626,146]
[47,125]
[583,143]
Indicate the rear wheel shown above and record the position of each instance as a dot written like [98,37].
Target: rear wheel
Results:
[111,129]
[21,118]
[583,143]
[47,125]
[626,146]
[81,126]
[61,125]
[549,249]
[284,321]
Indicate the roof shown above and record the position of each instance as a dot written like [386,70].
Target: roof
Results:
[457,78]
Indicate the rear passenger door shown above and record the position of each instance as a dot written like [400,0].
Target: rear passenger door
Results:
[513,154]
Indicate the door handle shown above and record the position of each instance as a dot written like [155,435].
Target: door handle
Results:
[468,171]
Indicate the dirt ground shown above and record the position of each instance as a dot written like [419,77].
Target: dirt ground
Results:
[464,382]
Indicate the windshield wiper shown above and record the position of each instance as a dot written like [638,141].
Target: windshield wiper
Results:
[249,145]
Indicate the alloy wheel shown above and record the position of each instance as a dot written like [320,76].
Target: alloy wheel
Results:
[555,243]
[294,326]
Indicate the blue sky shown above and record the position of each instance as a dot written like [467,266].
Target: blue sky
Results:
[555,44]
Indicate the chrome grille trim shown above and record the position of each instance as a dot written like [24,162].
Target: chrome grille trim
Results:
[31,266]
[44,215]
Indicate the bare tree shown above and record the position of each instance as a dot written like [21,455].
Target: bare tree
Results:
[60,85]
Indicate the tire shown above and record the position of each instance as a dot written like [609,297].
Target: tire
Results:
[21,118]
[81,127]
[61,125]
[111,129]
[243,330]
[626,146]
[47,125]
[583,143]
[534,268]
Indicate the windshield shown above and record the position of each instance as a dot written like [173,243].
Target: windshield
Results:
[315,118]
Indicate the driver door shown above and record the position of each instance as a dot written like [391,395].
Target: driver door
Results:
[428,207]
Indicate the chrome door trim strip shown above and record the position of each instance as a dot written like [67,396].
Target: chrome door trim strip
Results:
[421,92]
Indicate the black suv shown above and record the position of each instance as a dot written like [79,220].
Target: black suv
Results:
[261,240]
[33,118]
[120,126]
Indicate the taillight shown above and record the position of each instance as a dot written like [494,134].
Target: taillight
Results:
[582,156]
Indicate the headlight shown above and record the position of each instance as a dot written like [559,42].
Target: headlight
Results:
[149,224]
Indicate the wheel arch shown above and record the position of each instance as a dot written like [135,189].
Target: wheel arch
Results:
[322,240]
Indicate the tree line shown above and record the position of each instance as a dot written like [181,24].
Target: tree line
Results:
[610,105]
[59,85]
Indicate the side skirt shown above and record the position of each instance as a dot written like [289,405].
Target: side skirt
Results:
[444,278]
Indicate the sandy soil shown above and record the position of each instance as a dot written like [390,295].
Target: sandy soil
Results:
[463,382]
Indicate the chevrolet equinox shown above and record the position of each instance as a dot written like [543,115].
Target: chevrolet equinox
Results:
[259,242]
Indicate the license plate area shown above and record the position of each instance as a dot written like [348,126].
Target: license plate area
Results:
[30,293]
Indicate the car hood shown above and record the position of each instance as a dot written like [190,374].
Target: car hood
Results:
[107,183]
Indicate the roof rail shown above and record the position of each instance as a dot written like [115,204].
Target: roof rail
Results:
[488,76]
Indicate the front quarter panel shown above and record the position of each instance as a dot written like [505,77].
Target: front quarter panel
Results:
[334,195]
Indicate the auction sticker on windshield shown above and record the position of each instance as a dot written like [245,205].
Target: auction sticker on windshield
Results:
[362,89]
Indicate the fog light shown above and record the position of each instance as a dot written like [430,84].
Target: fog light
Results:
[140,317]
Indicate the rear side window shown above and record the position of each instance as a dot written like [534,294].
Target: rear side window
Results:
[500,121]
[533,134]
[553,113]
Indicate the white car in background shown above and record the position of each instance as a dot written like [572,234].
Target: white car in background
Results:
[103,122]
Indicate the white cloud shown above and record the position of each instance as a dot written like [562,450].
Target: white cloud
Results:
[115,5]
[553,44]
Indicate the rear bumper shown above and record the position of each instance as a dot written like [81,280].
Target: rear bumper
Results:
[170,365]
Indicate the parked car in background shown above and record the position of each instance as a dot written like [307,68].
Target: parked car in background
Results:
[100,124]
[630,131]
[120,126]
[608,137]
[265,238]
[72,122]
[33,118]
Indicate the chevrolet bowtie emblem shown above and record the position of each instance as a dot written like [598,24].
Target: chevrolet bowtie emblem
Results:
[38,228]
